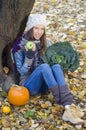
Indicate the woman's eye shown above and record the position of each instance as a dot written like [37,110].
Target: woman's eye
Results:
[36,28]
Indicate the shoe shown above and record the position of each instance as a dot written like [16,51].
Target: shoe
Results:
[77,110]
[70,116]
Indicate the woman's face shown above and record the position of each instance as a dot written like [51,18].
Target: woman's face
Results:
[38,31]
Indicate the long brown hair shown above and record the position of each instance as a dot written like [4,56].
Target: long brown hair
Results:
[29,36]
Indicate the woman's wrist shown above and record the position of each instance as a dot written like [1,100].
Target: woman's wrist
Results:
[30,54]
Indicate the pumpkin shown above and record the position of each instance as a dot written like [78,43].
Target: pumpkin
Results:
[18,95]
[6,109]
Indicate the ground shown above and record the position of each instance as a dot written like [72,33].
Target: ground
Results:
[66,22]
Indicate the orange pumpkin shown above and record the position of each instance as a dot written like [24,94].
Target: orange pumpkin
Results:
[18,95]
[6,109]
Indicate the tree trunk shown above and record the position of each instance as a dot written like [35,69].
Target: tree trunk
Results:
[13,17]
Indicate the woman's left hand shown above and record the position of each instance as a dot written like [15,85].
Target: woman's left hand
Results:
[30,47]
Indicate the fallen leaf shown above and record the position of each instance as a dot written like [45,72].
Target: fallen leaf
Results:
[30,113]
[74,88]
[6,70]
[46,104]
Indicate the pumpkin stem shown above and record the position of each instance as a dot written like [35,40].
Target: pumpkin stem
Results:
[16,85]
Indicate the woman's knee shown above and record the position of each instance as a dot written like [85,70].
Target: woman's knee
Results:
[44,67]
[56,66]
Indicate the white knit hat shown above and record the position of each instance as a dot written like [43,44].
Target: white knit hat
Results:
[35,19]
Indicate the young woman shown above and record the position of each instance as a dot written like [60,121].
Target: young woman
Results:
[39,77]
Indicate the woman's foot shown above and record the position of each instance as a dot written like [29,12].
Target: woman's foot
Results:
[71,116]
[77,110]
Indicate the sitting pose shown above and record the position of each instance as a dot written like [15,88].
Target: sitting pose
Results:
[39,77]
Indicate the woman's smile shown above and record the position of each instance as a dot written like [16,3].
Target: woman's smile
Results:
[38,31]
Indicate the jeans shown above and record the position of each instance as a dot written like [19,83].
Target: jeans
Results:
[45,77]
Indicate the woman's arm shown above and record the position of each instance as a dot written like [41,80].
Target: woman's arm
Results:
[23,63]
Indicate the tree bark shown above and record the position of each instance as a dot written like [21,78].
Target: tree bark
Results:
[13,17]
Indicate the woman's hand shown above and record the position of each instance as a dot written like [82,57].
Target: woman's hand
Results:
[30,46]
[30,50]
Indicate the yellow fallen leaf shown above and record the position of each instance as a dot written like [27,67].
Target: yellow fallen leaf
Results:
[80,36]
[56,108]
[74,74]
[47,6]
[1,89]
[42,114]
[74,88]
[71,33]
[80,97]
[83,92]
[0,122]
[6,70]
[71,20]
[65,124]
[5,122]
[84,34]
[54,1]
[8,128]
[35,125]
[46,104]
[84,47]
[31,122]
[35,4]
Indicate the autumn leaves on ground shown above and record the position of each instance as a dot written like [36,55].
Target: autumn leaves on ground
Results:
[66,22]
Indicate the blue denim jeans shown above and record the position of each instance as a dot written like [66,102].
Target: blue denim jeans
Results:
[45,77]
